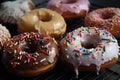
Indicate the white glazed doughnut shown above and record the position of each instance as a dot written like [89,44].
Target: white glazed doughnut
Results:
[88,46]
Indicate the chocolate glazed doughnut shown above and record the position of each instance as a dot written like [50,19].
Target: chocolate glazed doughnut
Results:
[29,54]
[108,18]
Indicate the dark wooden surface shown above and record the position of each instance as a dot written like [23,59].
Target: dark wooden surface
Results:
[60,72]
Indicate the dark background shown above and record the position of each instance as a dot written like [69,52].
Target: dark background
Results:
[101,3]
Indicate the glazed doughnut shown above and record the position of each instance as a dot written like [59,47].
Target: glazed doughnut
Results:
[89,49]
[42,20]
[70,9]
[4,34]
[29,54]
[11,11]
[108,18]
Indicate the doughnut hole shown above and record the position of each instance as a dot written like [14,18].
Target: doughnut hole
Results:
[107,15]
[45,17]
[30,47]
[91,42]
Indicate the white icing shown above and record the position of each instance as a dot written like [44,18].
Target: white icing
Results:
[52,55]
[104,47]
[11,11]
[43,60]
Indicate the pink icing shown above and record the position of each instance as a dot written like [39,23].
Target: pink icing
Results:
[74,6]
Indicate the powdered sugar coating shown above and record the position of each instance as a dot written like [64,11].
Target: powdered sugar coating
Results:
[4,34]
[11,11]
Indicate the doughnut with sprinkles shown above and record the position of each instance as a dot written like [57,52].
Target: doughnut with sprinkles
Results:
[89,49]
[29,54]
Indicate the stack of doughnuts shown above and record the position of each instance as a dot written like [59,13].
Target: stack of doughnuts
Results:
[35,50]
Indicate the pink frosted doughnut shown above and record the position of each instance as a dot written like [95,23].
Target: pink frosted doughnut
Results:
[70,8]
[108,18]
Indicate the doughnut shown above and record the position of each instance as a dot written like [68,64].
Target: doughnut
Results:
[29,54]
[4,34]
[11,11]
[89,49]
[43,20]
[108,18]
[69,9]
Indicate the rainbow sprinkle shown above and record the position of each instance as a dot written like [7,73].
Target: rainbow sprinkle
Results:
[20,48]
